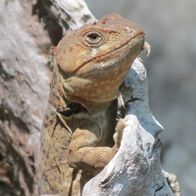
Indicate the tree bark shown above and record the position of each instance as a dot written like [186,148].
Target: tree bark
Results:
[27,30]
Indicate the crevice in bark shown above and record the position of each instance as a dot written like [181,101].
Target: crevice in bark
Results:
[51,25]
[4,74]
[7,114]
[17,170]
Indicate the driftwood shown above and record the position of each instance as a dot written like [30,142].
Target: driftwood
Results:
[24,77]
[136,169]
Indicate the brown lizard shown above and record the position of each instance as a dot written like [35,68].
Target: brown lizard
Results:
[90,64]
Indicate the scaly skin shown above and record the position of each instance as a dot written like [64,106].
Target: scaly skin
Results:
[90,65]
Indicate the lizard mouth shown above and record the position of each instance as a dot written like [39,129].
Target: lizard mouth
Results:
[134,44]
[139,36]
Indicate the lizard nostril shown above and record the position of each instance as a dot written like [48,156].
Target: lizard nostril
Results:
[128,30]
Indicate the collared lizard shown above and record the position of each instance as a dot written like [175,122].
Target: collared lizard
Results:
[90,64]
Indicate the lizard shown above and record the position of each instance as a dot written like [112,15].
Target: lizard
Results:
[90,64]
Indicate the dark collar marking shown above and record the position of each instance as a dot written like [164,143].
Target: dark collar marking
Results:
[71,109]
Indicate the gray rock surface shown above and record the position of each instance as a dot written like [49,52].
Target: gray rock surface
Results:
[170,30]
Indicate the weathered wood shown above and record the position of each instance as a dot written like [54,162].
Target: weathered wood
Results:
[136,168]
[23,99]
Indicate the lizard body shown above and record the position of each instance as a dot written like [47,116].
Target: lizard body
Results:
[89,66]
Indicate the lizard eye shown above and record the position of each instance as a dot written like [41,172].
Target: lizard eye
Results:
[93,38]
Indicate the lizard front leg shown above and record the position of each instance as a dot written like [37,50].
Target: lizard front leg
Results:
[84,152]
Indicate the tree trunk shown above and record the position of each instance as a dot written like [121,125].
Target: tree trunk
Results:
[27,30]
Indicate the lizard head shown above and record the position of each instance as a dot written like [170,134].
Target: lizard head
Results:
[93,60]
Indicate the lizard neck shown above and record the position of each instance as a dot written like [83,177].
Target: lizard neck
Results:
[62,97]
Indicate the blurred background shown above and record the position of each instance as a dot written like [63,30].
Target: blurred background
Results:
[170,29]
